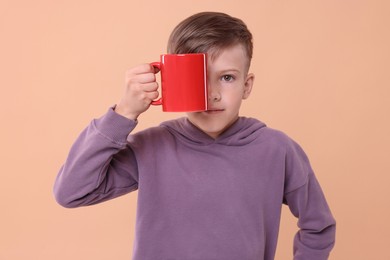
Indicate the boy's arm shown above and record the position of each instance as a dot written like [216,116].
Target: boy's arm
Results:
[305,198]
[100,166]
[316,236]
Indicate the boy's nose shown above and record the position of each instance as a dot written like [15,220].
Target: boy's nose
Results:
[213,94]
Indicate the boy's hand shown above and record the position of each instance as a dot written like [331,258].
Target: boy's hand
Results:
[140,91]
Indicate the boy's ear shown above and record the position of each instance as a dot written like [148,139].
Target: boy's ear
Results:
[248,85]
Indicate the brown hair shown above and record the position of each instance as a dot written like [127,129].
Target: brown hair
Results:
[209,32]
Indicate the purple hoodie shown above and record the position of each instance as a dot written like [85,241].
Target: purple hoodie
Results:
[200,198]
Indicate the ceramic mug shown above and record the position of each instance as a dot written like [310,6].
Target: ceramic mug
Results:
[183,82]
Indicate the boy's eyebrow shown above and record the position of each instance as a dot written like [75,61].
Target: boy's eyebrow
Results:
[229,70]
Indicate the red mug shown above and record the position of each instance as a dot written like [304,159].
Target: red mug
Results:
[183,82]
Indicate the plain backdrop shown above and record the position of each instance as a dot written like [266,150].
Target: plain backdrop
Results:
[322,77]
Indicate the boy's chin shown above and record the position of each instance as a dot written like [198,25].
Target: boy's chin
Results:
[212,132]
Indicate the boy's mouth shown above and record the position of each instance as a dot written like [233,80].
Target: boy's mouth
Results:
[214,111]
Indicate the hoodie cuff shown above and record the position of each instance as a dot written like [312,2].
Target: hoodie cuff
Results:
[115,126]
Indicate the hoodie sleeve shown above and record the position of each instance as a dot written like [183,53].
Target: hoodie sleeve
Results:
[317,227]
[100,165]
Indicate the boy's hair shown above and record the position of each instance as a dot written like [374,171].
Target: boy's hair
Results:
[210,32]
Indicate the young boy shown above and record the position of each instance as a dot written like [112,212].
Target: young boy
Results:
[210,185]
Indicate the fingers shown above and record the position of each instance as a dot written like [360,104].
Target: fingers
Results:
[141,89]
[150,96]
[146,78]
[143,69]
[150,87]
[142,82]
[144,73]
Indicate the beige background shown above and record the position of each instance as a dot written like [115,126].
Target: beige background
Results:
[322,76]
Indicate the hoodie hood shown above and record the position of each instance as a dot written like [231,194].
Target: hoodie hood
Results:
[241,132]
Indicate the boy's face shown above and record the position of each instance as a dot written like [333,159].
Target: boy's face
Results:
[228,84]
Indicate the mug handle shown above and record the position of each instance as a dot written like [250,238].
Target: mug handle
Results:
[158,101]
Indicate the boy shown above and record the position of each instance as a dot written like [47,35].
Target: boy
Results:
[211,185]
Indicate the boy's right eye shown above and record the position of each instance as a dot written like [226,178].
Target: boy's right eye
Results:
[227,78]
